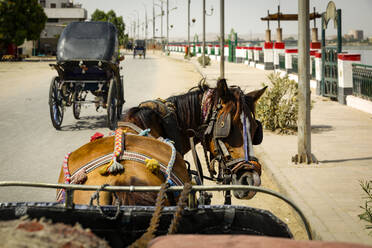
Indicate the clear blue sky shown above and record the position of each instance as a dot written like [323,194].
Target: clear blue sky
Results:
[242,15]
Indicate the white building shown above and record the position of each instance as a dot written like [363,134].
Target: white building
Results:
[59,13]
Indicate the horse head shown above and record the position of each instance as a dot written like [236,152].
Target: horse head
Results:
[231,132]
[221,118]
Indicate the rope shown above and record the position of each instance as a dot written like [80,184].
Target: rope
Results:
[67,176]
[145,132]
[180,207]
[95,196]
[154,223]
[66,172]
[168,172]
[114,166]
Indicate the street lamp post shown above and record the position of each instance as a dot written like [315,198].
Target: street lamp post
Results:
[204,14]
[188,28]
[153,21]
[145,22]
[167,25]
[161,22]
[168,10]
[138,25]
[222,37]
[203,34]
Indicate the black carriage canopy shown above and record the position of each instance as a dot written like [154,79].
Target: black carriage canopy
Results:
[88,41]
[140,43]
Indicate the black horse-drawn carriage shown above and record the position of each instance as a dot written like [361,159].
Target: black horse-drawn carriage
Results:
[139,48]
[87,61]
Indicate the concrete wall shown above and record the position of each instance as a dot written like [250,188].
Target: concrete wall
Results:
[345,62]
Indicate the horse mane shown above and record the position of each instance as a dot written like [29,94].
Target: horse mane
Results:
[188,106]
[141,116]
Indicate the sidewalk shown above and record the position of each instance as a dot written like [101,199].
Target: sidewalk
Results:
[328,193]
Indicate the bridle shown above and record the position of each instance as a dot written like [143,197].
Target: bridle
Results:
[216,127]
[219,127]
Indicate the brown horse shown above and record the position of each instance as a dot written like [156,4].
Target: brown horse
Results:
[144,161]
[221,118]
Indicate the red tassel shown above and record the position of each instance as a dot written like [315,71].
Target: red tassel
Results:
[96,136]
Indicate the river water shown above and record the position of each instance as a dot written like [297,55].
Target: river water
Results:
[364,51]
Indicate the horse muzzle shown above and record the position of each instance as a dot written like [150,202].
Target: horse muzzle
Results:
[245,177]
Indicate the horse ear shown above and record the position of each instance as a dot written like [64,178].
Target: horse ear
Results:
[255,95]
[223,89]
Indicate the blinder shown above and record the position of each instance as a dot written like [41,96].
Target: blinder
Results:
[258,134]
[222,127]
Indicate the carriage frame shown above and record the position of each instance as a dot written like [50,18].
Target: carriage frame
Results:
[133,220]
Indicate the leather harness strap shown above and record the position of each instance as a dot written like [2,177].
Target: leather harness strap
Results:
[198,165]
[123,124]
[167,111]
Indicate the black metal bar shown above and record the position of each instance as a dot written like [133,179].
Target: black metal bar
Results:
[157,188]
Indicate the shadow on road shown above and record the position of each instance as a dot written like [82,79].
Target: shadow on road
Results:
[321,128]
[86,123]
[345,160]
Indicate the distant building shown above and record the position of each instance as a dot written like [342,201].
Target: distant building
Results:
[59,13]
[356,34]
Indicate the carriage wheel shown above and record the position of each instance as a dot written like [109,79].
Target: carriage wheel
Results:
[76,107]
[112,105]
[55,103]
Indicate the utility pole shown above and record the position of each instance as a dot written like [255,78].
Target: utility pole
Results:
[134,30]
[203,33]
[167,25]
[222,41]
[161,28]
[304,125]
[138,24]
[145,23]
[153,21]
[188,28]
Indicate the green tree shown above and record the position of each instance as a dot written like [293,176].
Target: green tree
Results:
[110,16]
[20,21]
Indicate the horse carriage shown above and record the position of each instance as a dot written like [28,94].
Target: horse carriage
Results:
[146,188]
[87,61]
[139,48]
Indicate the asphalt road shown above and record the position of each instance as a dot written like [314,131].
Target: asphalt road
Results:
[32,150]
